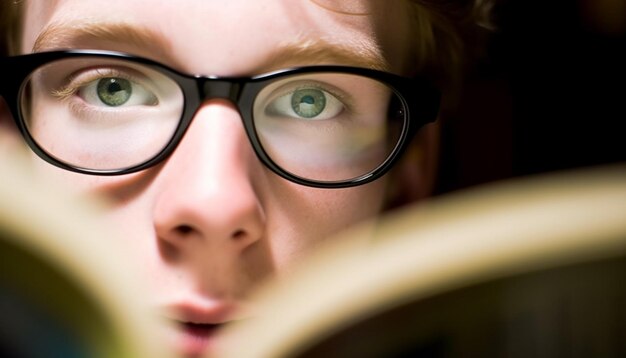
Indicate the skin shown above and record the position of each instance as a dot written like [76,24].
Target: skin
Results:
[210,223]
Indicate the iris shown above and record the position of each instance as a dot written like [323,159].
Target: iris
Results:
[308,103]
[114,92]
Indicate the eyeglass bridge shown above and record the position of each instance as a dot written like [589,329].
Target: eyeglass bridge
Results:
[211,88]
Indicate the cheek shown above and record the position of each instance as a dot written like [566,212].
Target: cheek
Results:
[90,186]
[303,218]
[124,210]
[125,199]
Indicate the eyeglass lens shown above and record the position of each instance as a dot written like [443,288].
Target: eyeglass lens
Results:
[113,114]
[327,126]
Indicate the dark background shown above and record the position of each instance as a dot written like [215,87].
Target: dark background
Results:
[547,95]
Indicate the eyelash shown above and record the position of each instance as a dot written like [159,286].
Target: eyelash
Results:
[344,98]
[70,89]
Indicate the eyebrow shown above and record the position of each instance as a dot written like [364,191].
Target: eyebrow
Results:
[62,35]
[323,52]
[298,52]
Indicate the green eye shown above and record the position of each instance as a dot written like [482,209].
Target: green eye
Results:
[308,103]
[114,92]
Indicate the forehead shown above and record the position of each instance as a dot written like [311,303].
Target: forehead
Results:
[230,37]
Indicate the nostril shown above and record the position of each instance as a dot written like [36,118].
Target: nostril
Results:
[239,234]
[184,229]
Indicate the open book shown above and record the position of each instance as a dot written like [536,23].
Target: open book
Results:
[533,267]
[64,291]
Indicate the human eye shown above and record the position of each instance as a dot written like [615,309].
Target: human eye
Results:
[110,88]
[306,101]
[101,113]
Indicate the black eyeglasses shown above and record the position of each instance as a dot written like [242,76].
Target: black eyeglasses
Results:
[109,113]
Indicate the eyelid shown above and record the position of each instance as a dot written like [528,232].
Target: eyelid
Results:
[90,113]
[83,77]
[288,88]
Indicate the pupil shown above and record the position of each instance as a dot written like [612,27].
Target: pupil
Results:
[308,103]
[114,87]
[114,91]
[308,100]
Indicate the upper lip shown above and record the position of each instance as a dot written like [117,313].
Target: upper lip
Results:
[187,312]
[204,313]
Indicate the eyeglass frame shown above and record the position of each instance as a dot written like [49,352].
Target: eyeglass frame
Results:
[241,91]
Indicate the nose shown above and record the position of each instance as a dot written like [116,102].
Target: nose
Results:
[207,206]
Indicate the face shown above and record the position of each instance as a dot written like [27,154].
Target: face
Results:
[211,222]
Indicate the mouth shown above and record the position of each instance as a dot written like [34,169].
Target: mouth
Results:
[195,325]
[195,339]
